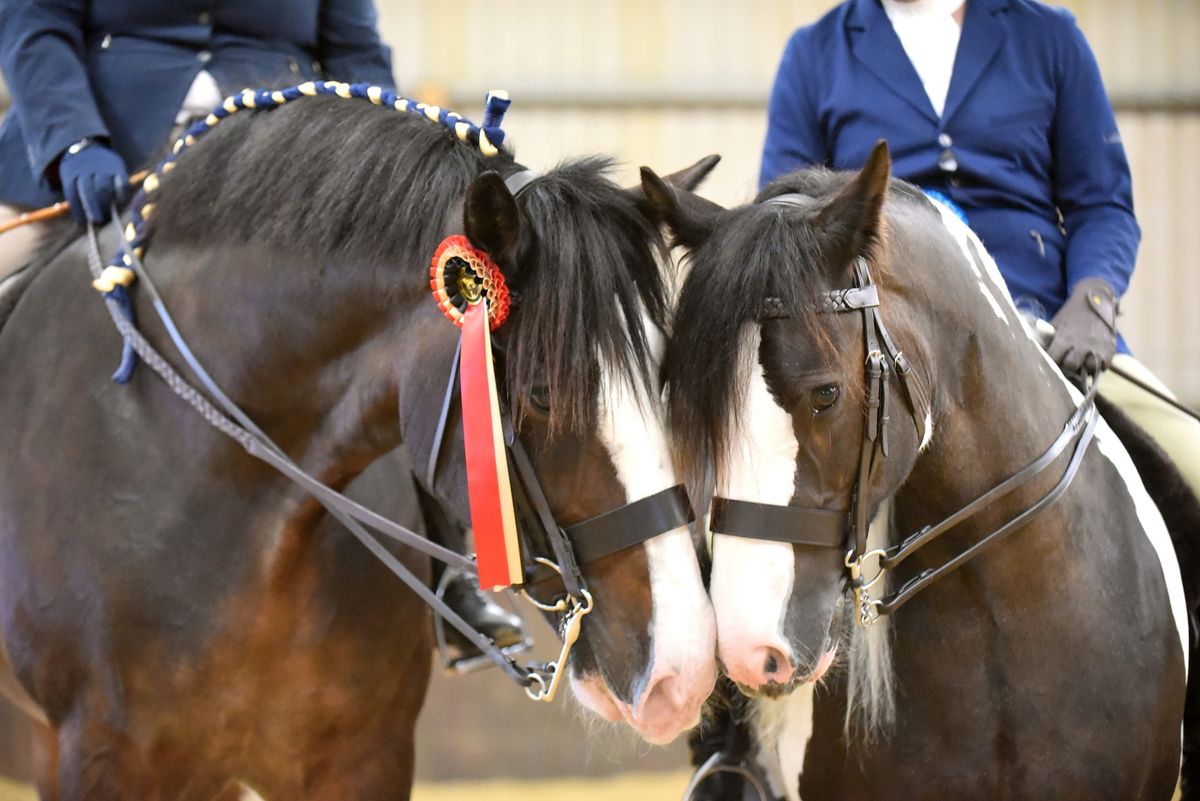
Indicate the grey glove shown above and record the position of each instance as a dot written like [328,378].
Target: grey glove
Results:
[1085,337]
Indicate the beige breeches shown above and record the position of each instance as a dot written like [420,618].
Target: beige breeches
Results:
[1174,431]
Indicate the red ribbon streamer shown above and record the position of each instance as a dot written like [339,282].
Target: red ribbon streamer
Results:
[496,545]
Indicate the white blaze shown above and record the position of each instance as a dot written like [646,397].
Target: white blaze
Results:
[752,579]
[683,630]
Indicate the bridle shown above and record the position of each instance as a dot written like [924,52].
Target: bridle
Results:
[837,528]
[575,546]
[571,547]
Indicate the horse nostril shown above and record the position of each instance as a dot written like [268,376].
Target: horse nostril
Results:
[775,665]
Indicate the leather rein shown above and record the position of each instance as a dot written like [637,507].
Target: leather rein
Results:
[572,546]
[836,528]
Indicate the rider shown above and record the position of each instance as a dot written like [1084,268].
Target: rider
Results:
[997,105]
[98,88]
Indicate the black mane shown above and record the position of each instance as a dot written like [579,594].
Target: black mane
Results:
[322,175]
[590,263]
[753,252]
[375,186]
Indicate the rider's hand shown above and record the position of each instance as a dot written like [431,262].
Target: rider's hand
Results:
[93,179]
[1085,328]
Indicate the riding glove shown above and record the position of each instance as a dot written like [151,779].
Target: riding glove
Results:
[1085,328]
[93,179]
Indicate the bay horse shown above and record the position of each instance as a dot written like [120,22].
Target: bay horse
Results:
[845,350]
[179,618]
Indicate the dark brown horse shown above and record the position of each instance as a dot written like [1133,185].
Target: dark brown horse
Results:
[180,619]
[844,343]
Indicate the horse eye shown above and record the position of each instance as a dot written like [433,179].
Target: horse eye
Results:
[539,398]
[824,397]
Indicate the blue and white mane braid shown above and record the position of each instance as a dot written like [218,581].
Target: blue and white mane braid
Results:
[115,280]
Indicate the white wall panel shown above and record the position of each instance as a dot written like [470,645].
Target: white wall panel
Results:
[587,69]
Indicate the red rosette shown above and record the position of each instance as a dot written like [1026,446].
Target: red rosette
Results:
[461,275]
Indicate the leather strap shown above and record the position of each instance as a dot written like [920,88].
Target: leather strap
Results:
[821,528]
[610,532]
[439,433]
[890,603]
[350,513]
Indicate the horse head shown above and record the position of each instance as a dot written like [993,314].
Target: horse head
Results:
[768,390]
[581,357]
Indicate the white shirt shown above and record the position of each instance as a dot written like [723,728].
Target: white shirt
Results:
[929,33]
[203,96]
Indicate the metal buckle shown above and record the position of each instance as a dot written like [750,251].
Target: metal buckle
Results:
[868,607]
[545,678]
[549,676]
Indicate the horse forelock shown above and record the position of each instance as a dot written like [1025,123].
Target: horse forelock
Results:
[755,252]
[588,281]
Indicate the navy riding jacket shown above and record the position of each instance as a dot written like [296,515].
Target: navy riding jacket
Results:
[120,69]
[1027,132]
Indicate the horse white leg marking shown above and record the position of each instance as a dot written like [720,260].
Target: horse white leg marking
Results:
[249,795]
[683,628]
[752,579]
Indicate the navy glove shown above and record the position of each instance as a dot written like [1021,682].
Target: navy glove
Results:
[93,179]
[1085,328]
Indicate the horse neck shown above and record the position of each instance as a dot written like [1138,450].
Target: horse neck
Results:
[304,344]
[998,402]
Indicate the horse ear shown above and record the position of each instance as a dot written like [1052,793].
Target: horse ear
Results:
[852,222]
[689,216]
[491,219]
[690,177]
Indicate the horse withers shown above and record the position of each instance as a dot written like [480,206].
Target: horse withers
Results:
[845,345]
[178,617]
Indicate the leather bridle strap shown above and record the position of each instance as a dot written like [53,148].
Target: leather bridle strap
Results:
[821,528]
[535,509]
[1082,427]
[256,443]
[626,526]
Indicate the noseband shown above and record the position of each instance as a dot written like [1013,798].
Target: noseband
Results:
[834,528]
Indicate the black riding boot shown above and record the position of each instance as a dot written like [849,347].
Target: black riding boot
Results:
[461,593]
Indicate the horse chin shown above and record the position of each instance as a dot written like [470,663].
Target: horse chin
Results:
[656,719]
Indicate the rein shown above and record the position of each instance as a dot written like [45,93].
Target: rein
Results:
[836,528]
[600,536]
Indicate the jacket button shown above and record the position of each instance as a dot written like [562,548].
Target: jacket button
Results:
[204,56]
[205,18]
[294,66]
[944,139]
[947,162]
[106,42]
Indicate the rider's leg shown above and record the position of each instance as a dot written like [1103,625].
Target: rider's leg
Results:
[18,245]
[462,593]
[1174,431]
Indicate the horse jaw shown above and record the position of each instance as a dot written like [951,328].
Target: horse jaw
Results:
[670,694]
[752,580]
